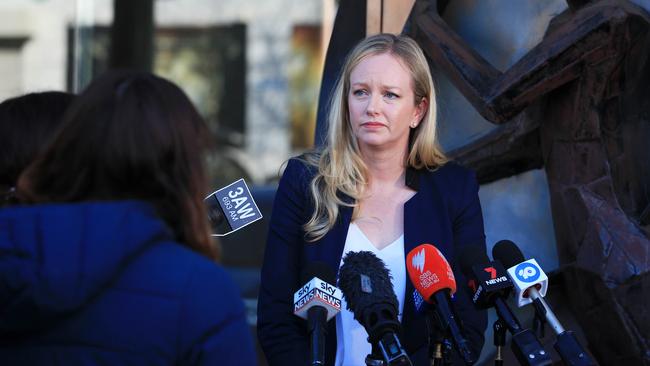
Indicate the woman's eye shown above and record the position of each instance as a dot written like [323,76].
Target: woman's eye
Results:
[391,95]
[359,92]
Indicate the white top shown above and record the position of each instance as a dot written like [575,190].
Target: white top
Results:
[352,345]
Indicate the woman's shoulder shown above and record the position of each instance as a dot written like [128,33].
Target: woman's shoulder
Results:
[171,267]
[211,314]
[209,283]
[300,168]
[452,173]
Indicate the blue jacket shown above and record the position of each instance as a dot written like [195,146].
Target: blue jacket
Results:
[106,284]
[444,212]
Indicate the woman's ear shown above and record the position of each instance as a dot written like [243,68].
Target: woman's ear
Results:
[421,109]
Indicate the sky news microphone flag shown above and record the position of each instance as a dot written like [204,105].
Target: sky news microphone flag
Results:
[317,301]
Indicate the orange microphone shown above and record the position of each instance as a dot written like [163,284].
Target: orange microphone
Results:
[433,278]
[429,271]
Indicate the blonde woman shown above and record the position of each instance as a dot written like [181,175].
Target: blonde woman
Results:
[380,184]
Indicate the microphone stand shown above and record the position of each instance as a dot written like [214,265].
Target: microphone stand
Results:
[386,352]
[499,335]
[525,346]
[438,340]
[437,357]
[566,343]
[373,360]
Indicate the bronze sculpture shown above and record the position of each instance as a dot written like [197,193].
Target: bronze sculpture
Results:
[585,91]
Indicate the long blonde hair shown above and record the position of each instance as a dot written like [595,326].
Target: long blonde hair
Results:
[340,165]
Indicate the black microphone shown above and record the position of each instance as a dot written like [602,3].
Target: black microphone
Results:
[318,301]
[368,291]
[491,287]
[530,284]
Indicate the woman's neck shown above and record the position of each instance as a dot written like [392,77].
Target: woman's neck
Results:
[384,166]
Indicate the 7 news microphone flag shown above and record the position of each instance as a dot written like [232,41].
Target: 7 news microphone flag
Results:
[491,288]
[530,284]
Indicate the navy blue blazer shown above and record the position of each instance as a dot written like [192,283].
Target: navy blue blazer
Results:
[445,212]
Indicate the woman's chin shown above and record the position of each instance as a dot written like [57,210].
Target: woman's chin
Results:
[372,141]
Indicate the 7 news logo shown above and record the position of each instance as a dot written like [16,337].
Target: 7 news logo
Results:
[494,279]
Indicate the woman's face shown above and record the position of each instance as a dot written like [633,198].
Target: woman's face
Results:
[382,103]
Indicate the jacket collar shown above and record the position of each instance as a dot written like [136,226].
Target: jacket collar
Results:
[412,178]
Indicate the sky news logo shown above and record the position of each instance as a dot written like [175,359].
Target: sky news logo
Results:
[317,295]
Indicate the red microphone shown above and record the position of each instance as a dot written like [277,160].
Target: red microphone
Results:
[433,278]
[429,271]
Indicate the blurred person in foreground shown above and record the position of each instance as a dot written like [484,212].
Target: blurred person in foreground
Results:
[27,123]
[113,264]
[380,184]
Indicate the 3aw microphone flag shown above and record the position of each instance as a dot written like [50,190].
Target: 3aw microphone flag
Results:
[231,208]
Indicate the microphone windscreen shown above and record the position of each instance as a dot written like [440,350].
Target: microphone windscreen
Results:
[318,269]
[365,281]
[429,271]
[507,253]
[470,256]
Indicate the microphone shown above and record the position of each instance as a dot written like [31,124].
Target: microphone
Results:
[231,208]
[491,287]
[317,301]
[528,279]
[368,291]
[433,278]
[439,346]
[531,283]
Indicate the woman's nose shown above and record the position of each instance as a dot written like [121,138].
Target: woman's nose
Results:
[373,105]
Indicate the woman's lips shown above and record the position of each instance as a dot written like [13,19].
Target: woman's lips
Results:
[372,124]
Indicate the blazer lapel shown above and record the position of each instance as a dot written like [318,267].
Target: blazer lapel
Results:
[330,248]
[330,251]
[424,217]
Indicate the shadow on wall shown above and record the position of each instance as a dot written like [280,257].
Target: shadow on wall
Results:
[518,208]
